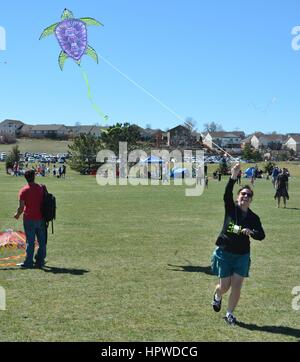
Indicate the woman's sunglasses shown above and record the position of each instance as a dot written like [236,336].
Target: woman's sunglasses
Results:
[246,194]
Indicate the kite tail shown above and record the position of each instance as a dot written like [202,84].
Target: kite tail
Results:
[89,94]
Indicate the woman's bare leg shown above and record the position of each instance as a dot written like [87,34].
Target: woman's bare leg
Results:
[236,286]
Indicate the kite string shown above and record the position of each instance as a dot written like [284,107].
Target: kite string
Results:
[160,102]
[89,94]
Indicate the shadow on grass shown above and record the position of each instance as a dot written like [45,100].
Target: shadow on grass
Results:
[271,329]
[292,208]
[55,270]
[192,269]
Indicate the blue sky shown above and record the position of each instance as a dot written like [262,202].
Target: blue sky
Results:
[230,62]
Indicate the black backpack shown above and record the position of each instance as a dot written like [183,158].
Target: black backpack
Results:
[48,207]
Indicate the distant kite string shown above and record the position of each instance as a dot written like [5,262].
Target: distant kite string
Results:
[71,35]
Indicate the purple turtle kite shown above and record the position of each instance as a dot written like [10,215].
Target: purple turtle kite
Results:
[72,37]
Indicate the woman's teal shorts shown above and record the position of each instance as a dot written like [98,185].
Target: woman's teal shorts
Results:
[225,264]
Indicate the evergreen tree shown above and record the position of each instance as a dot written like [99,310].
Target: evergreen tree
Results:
[83,152]
[121,133]
[247,152]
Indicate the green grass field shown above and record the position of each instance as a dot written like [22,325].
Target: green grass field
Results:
[132,264]
[38,145]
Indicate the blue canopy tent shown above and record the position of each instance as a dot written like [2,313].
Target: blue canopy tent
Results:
[180,172]
[152,159]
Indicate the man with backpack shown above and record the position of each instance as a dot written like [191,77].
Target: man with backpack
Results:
[31,199]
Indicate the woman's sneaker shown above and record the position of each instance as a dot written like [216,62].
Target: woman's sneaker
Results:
[230,319]
[217,304]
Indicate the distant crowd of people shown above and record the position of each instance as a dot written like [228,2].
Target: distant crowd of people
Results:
[279,178]
[39,170]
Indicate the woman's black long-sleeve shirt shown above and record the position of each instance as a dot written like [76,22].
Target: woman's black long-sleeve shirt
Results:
[232,242]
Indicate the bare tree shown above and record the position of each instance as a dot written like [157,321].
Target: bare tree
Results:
[212,127]
[190,124]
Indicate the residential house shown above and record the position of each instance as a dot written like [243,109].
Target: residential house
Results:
[293,143]
[155,137]
[263,141]
[25,130]
[181,136]
[246,141]
[291,135]
[74,131]
[148,134]
[197,136]
[161,138]
[49,130]
[10,127]
[228,141]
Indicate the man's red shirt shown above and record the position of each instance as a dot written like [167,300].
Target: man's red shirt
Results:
[32,195]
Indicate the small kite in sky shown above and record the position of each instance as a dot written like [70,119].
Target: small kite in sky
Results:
[71,35]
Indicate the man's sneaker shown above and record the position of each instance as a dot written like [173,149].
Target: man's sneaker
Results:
[230,319]
[216,304]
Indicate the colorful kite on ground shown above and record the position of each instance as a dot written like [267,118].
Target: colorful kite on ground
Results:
[71,35]
[12,247]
